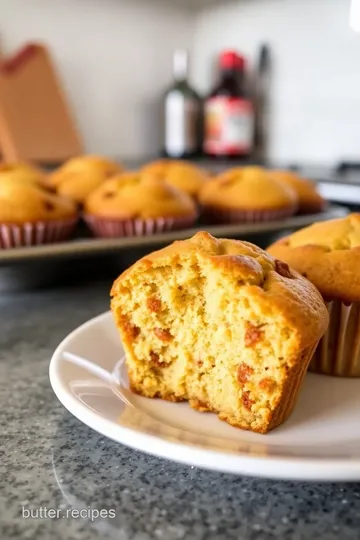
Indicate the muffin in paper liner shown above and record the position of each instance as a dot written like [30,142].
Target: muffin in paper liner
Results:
[246,216]
[14,235]
[115,228]
[338,352]
[310,200]
[327,254]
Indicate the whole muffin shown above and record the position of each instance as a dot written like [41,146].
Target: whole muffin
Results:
[79,176]
[221,324]
[247,194]
[180,174]
[30,215]
[328,254]
[23,172]
[310,201]
[132,204]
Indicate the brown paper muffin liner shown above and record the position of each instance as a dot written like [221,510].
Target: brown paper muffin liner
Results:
[338,352]
[114,228]
[33,234]
[246,216]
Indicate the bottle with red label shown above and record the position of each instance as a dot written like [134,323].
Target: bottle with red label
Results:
[229,113]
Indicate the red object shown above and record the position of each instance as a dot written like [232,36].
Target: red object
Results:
[232,60]
[229,114]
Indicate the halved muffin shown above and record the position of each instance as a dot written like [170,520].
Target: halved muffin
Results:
[221,324]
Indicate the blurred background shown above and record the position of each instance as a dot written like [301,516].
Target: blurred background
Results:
[114,58]
[110,69]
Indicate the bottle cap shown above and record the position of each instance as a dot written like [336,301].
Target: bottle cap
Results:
[232,60]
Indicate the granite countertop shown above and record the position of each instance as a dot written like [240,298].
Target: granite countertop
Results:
[49,459]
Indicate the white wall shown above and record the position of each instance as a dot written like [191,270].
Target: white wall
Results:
[315,97]
[114,59]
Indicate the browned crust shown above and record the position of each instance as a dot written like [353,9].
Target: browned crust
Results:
[334,272]
[310,200]
[247,188]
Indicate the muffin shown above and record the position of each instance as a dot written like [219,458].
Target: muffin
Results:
[23,172]
[180,174]
[221,324]
[79,176]
[310,201]
[30,215]
[328,254]
[132,204]
[247,194]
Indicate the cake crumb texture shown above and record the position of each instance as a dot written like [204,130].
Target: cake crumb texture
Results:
[221,324]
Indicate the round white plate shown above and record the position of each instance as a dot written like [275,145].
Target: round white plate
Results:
[320,441]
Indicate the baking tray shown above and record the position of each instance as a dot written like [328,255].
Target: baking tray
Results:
[90,247]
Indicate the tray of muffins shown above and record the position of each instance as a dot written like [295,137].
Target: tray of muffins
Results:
[92,205]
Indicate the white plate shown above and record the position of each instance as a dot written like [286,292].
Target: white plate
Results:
[321,440]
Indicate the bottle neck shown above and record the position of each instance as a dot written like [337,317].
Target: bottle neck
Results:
[232,79]
[180,66]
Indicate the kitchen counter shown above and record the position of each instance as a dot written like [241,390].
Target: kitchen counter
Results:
[49,459]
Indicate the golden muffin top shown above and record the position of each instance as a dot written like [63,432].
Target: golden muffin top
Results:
[309,198]
[277,288]
[133,195]
[79,176]
[180,174]
[22,202]
[247,188]
[23,172]
[328,254]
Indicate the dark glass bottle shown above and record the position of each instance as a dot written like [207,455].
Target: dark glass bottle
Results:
[228,112]
[182,113]
[261,99]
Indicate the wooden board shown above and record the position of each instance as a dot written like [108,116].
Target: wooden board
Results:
[35,120]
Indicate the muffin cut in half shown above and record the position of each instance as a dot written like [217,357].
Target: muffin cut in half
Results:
[221,324]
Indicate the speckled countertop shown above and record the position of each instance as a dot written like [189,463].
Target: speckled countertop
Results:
[49,459]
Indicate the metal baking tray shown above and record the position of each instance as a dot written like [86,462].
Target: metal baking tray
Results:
[85,247]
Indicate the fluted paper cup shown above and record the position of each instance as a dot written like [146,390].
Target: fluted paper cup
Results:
[114,228]
[246,216]
[14,235]
[338,352]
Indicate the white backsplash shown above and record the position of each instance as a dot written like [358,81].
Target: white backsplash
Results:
[114,58]
[315,95]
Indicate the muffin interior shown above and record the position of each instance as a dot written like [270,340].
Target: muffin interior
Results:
[190,339]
